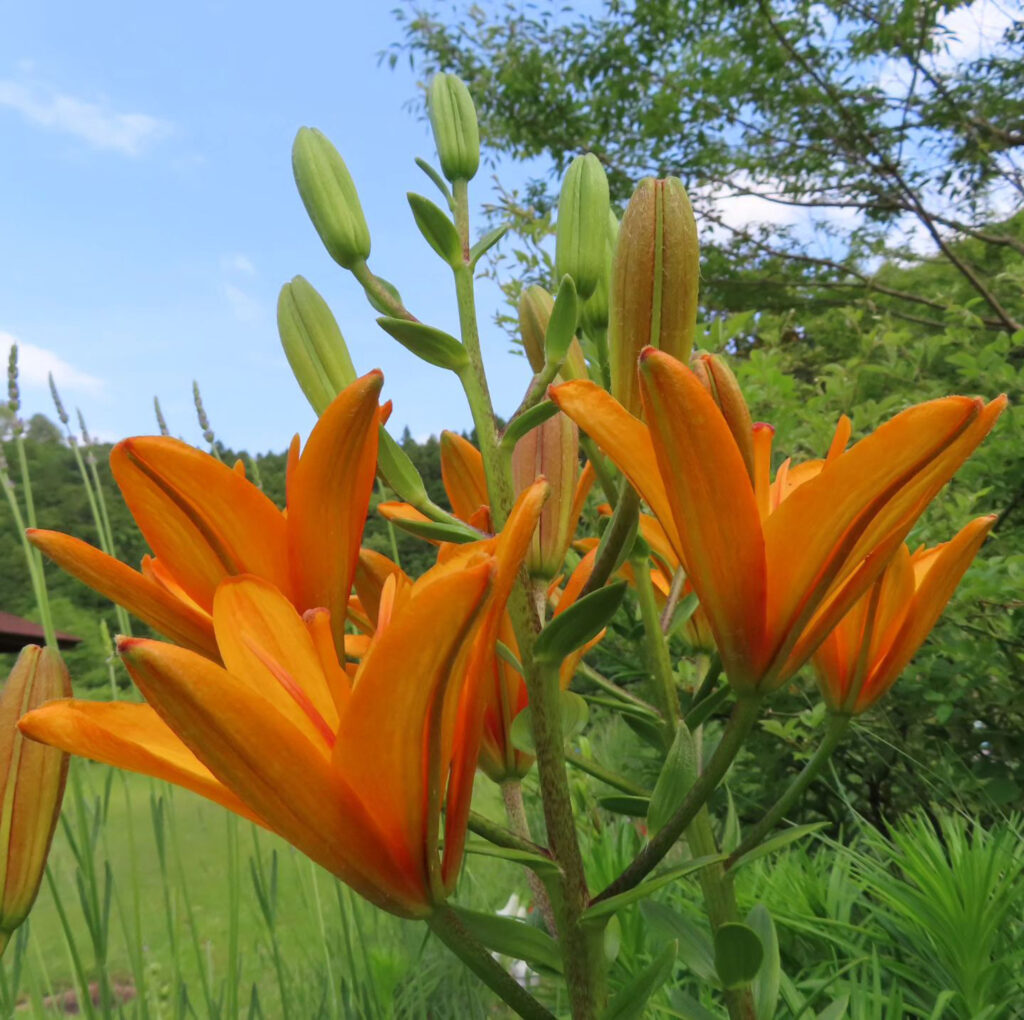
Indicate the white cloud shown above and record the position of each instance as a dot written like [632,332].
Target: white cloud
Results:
[238,263]
[976,29]
[244,306]
[94,123]
[35,364]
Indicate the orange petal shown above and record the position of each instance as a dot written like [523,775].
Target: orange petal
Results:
[372,570]
[841,438]
[383,737]
[329,494]
[203,521]
[713,505]
[868,489]
[129,736]
[947,565]
[264,641]
[271,766]
[624,438]
[462,471]
[150,601]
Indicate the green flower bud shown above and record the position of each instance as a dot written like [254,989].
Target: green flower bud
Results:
[655,275]
[32,777]
[330,198]
[453,120]
[535,305]
[313,344]
[595,309]
[580,234]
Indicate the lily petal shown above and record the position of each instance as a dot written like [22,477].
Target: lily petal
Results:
[150,601]
[713,506]
[329,495]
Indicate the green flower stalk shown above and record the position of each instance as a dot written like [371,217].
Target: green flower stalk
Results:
[313,343]
[330,198]
[582,227]
[32,778]
[655,275]
[453,120]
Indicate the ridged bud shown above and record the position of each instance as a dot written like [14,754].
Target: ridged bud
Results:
[535,305]
[330,197]
[582,227]
[551,450]
[655,272]
[313,343]
[453,120]
[595,309]
[32,777]
[718,379]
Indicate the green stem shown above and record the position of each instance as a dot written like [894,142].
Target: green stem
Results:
[657,645]
[32,560]
[500,836]
[834,732]
[445,924]
[605,478]
[598,771]
[372,285]
[585,669]
[473,377]
[741,721]
[515,810]
[612,548]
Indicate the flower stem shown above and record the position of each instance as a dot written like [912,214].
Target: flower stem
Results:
[835,730]
[497,834]
[515,809]
[621,530]
[657,645]
[744,714]
[445,924]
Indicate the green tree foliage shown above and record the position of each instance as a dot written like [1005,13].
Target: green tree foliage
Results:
[876,112]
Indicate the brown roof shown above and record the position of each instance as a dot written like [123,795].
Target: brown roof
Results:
[15,633]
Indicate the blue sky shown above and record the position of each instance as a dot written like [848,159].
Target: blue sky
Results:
[149,215]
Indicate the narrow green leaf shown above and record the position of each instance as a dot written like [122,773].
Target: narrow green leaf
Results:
[581,622]
[624,804]
[513,938]
[536,415]
[398,471]
[674,780]
[777,842]
[695,950]
[431,345]
[509,656]
[615,903]
[562,324]
[435,531]
[486,243]
[631,999]
[437,228]
[738,954]
[376,303]
[837,1009]
[768,980]
[439,182]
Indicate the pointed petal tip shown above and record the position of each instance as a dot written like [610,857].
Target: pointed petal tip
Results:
[763,426]
[646,353]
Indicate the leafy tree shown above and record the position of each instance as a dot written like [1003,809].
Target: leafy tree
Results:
[866,110]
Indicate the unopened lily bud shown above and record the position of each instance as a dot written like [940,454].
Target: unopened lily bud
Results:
[719,381]
[581,230]
[655,270]
[453,120]
[32,779]
[535,305]
[313,344]
[595,308]
[330,197]
[550,450]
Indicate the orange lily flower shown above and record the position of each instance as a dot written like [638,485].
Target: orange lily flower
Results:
[353,772]
[774,581]
[865,654]
[205,522]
